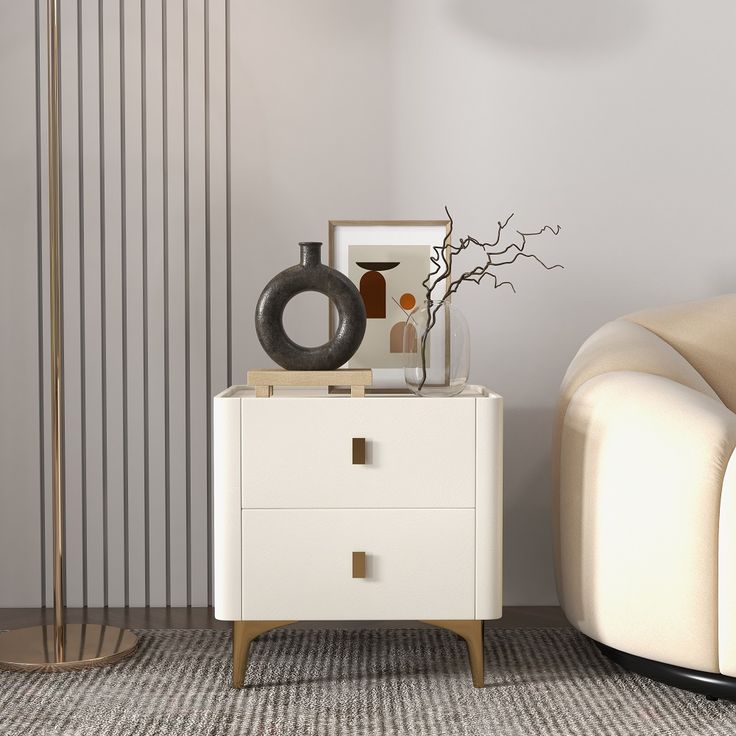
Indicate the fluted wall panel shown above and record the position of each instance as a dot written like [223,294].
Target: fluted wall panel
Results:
[201,140]
[145,254]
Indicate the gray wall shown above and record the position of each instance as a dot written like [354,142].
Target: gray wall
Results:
[613,119]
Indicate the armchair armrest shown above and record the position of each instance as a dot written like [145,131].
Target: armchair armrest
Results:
[641,473]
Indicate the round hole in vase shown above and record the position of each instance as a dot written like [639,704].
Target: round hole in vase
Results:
[304,318]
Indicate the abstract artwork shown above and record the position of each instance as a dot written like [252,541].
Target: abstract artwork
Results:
[387,262]
[390,282]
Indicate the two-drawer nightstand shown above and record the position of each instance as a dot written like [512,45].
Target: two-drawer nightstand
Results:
[329,507]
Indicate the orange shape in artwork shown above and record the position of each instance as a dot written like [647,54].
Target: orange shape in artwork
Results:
[407,301]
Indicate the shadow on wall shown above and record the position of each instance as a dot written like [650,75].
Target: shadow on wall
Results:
[562,26]
[574,533]
[528,537]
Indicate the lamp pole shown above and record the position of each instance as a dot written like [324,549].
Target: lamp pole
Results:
[57,397]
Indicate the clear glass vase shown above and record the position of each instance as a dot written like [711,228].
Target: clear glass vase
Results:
[437,349]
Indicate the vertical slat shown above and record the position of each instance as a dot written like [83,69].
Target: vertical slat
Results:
[46,337]
[103,306]
[144,322]
[208,296]
[82,306]
[240,153]
[134,301]
[71,301]
[146,541]
[39,304]
[176,378]
[166,389]
[155,296]
[114,324]
[217,208]
[198,444]
[91,244]
[187,302]
[124,298]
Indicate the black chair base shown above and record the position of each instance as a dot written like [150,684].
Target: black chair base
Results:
[711,684]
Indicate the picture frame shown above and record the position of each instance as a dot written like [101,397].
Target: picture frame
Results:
[387,260]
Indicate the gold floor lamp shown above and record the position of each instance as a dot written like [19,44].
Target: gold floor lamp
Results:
[59,646]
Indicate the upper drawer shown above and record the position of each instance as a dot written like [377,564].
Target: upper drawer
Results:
[298,453]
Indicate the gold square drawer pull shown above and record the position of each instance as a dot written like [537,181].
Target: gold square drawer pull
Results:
[358,450]
[358,564]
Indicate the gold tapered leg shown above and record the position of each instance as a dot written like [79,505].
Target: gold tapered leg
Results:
[243,634]
[472,632]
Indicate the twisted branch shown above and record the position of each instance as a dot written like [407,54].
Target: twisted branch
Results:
[440,270]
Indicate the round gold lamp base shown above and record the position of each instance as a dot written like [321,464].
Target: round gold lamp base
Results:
[84,645]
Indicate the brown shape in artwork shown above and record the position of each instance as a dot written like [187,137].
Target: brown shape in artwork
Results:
[396,338]
[373,291]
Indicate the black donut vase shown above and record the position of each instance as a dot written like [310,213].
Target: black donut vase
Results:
[310,274]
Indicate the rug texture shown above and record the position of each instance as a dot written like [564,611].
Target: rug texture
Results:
[345,683]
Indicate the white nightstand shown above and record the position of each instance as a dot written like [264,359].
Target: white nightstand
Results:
[329,507]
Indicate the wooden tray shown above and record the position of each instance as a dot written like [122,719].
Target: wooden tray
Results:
[265,380]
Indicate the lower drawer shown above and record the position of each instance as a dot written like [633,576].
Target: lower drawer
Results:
[298,564]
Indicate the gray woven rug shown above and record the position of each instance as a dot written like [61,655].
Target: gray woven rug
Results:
[344,683]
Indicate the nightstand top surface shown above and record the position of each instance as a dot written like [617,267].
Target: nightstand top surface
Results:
[247,392]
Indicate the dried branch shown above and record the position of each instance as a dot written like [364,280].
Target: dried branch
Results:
[441,260]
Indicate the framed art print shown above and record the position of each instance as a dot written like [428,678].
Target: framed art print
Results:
[387,261]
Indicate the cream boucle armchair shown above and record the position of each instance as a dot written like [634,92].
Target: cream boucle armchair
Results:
[645,506]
